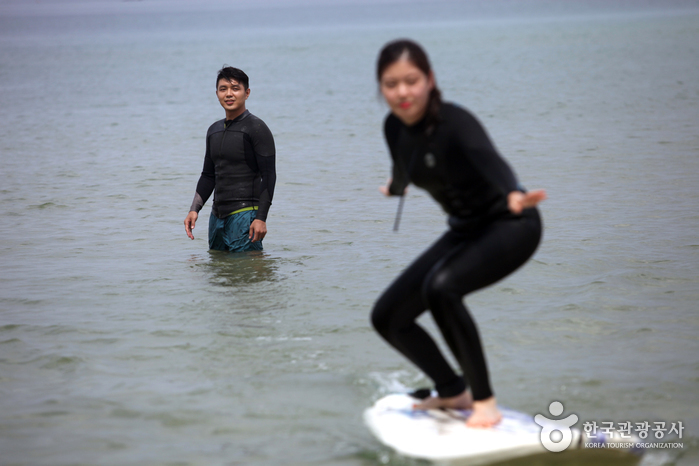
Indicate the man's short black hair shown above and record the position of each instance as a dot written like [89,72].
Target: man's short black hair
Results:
[232,74]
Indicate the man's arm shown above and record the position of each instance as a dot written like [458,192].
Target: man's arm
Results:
[268,171]
[265,156]
[205,186]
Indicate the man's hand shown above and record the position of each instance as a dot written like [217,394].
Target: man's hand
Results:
[258,230]
[189,223]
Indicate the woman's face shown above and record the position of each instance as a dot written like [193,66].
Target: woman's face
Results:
[406,90]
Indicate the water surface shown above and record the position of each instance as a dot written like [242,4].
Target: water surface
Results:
[123,342]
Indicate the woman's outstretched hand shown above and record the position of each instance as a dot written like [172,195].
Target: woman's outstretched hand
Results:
[386,190]
[517,201]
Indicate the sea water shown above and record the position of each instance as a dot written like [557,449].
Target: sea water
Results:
[122,342]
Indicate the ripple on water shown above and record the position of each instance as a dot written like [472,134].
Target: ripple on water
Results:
[63,363]
[47,205]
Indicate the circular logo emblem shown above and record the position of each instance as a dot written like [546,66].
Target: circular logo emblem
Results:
[430,160]
[556,434]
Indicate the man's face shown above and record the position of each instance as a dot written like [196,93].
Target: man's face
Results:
[232,96]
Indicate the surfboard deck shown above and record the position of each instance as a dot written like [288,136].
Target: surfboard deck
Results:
[442,437]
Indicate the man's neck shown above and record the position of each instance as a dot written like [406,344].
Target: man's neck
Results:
[234,115]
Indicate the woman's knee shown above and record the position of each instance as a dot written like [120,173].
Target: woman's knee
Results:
[381,317]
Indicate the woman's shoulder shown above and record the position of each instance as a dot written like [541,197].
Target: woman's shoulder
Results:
[462,124]
[460,119]
[453,111]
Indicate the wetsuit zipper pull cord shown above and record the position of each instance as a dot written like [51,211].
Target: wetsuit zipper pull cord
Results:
[399,213]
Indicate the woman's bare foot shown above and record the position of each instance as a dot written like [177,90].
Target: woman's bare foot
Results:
[462,401]
[485,414]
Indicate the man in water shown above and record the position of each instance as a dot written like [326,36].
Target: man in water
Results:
[239,168]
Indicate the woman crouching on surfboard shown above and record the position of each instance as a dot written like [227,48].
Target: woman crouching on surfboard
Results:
[494,227]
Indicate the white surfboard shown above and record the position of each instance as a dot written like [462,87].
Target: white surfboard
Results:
[442,437]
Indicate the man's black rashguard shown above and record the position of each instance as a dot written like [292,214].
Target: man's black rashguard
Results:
[239,167]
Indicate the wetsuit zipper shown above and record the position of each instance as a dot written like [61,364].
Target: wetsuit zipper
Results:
[220,150]
[223,138]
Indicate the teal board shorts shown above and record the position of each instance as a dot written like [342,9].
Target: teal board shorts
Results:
[232,232]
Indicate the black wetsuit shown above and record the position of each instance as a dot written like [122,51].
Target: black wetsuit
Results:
[239,167]
[459,166]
